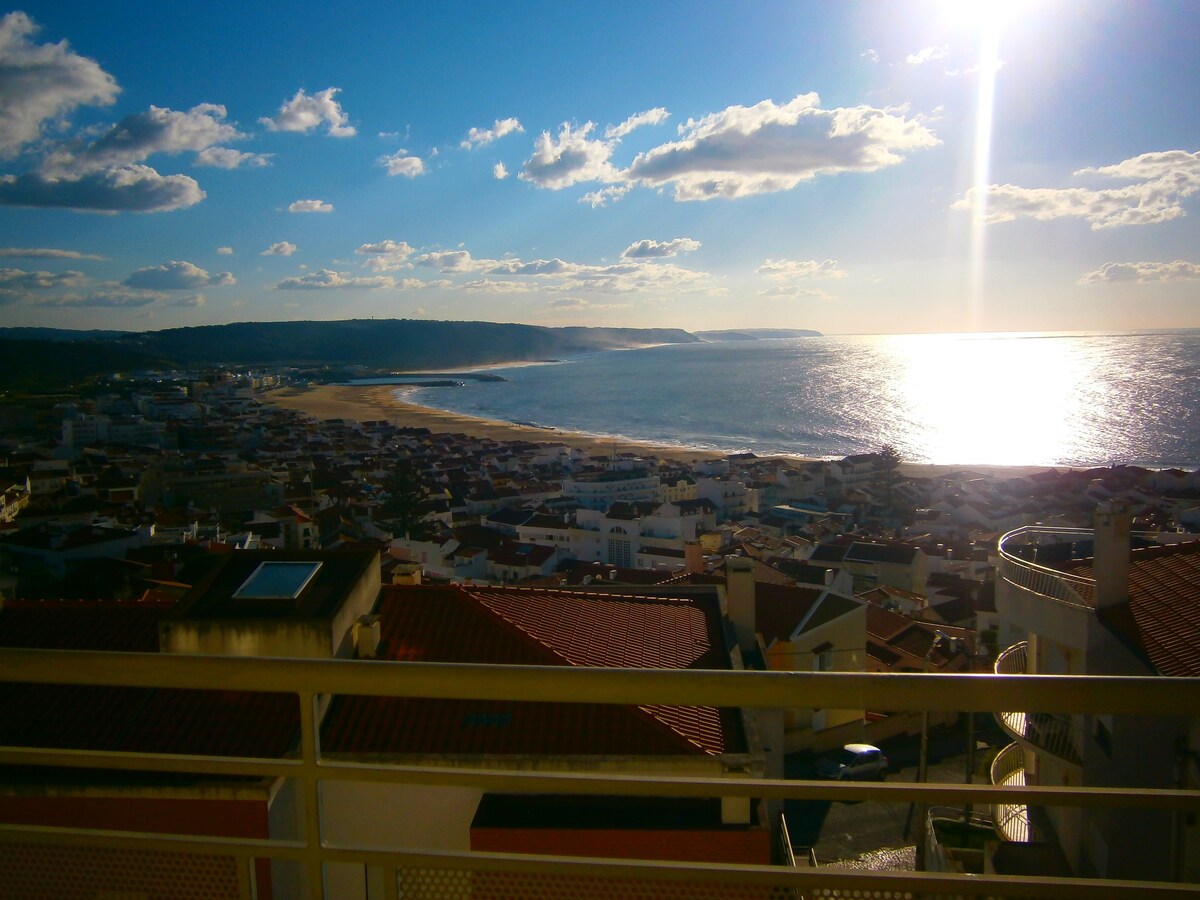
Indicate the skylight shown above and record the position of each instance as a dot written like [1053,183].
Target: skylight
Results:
[277,581]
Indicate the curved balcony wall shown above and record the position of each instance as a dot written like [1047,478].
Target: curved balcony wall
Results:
[1045,732]
[1012,820]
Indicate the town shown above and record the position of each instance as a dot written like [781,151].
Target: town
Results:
[190,514]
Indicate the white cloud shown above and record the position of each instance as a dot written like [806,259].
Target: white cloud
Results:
[41,82]
[111,296]
[571,158]
[648,249]
[742,151]
[225,251]
[327,279]
[136,137]
[280,248]
[477,137]
[44,253]
[927,54]
[649,117]
[192,301]
[601,197]
[400,163]
[386,255]
[310,206]
[869,55]
[795,269]
[126,189]
[177,275]
[499,171]
[21,280]
[794,292]
[491,286]
[228,158]
[560,275]
[1143,272]
[1162,181]
[305,112]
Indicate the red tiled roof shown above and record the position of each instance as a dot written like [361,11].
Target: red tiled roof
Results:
[93,717]
[1162,618]
[520,626]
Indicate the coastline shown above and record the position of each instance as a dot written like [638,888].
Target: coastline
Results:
[366,403]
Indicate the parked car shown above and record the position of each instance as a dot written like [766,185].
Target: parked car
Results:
[859,762]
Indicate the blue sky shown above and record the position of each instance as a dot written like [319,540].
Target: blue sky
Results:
[856,167]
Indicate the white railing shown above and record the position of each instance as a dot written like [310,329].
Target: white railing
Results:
[438,874]
[1051,732]
[1011,820]
[1072,590]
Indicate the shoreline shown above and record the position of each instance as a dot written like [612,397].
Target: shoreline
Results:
[367,403]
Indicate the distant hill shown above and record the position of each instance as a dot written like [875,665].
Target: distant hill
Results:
[755,334]
[388,343]
[36,357]
[47,365]
[57,334]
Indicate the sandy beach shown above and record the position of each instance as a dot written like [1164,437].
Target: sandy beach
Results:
[377,403]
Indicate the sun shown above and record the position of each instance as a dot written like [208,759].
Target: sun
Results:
[987,18]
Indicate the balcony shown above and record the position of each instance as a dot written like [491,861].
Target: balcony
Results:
[1012,820]
[1047,732]
[1018,551]
[425,873]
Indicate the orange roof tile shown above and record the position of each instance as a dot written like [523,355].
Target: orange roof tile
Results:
[537,626]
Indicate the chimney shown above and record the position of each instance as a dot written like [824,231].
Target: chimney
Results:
[1110,562]
[366,637]
[693,557]
[739,592]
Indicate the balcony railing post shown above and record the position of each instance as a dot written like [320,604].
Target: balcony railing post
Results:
[311,788]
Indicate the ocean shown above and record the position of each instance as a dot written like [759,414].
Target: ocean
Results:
[1038,399]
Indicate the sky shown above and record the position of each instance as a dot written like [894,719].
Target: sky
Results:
[849,167]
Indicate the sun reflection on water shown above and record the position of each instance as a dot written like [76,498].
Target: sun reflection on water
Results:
[977,399]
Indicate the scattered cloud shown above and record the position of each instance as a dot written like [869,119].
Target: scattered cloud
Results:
[139,136]
[177,275]
[869,55]
[280,248]
[499,171]
[1161,182]
[576,303]
[327,279]
[400,163]
[110,297]
[304,112]
[649,117]
[796,269]
[794,292]
[310,206]
[563,276]
[477,137]
[386,255]
[742,151]
[1143,272]
[192,301]
[601,197]
[228,158]
[491,286]
[649,249]
[126,189]
[571,158]
[44,253]
[927,54]
[42,82]
[225,251]
[20,280]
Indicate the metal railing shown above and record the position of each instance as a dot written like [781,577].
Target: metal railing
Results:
[450,873]
[1072,590]
[1051,732]
[1011,820]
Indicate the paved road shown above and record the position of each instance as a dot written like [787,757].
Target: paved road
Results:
[857,831]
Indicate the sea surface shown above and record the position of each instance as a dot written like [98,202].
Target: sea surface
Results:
[1039,399]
